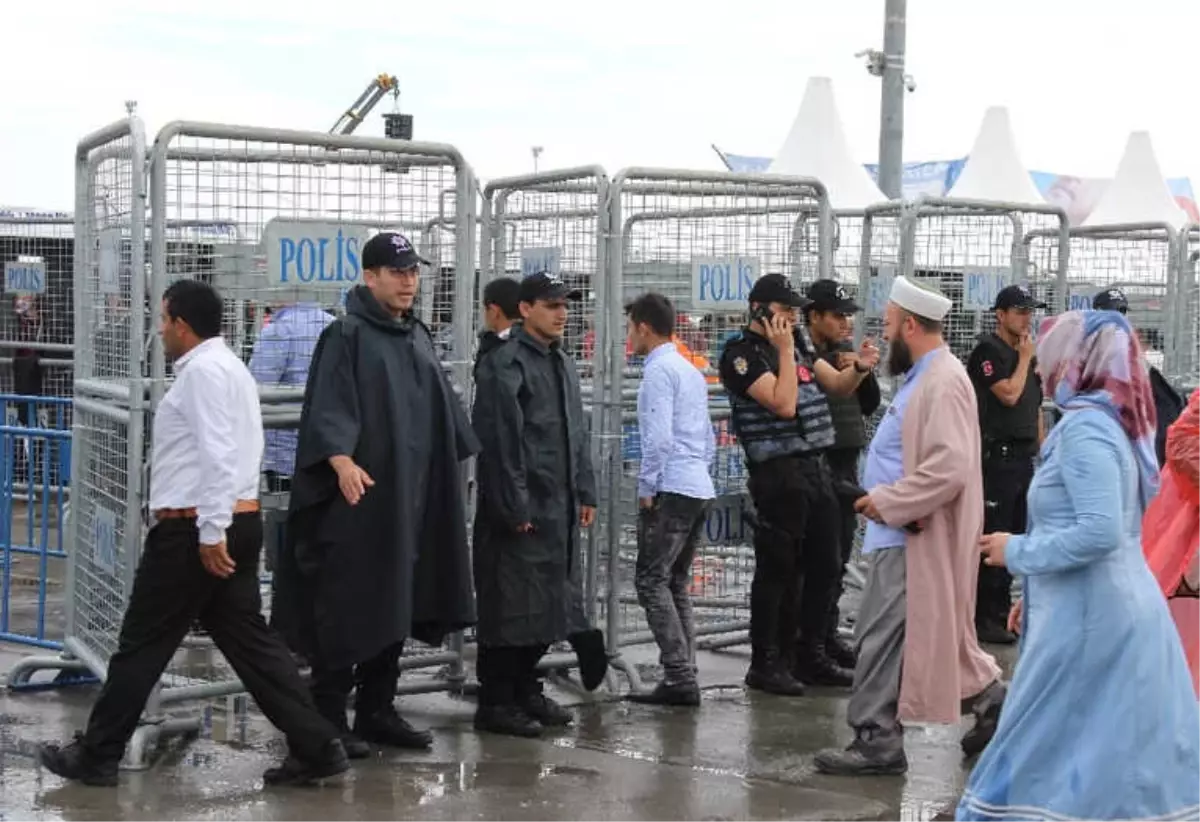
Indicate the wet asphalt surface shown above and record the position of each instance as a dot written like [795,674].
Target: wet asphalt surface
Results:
[739,756]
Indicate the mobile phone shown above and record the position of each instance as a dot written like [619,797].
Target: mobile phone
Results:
[761,312]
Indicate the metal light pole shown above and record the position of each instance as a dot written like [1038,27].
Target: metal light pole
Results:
[536,151]
[889,65]
[891,107]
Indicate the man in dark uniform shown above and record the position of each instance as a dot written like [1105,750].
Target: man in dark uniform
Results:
[501,309]
[1003,370]
[1168,403]
[376,546]
[830,320]
[536,489]
[781,417]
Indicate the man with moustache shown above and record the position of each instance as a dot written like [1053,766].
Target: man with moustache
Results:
[1003,370]
[918,657]
[536,490]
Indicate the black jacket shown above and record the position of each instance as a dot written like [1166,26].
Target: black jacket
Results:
[535,467]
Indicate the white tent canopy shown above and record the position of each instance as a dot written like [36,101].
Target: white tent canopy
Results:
[994,170]
[816,147]
[1138,193]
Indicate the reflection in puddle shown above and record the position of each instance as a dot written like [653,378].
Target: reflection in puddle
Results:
[435,780]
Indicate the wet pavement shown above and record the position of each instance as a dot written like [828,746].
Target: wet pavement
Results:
[740,756]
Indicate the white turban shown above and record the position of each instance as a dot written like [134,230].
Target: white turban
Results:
[919,300]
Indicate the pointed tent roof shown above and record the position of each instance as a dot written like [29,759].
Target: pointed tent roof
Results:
[994,170]
[816,146]
[1138,193]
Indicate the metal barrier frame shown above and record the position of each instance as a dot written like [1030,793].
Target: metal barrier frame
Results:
[642,180]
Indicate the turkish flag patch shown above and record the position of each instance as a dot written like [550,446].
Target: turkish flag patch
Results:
[987,368]
[803,374]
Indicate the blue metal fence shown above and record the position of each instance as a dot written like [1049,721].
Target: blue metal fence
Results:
[34,472]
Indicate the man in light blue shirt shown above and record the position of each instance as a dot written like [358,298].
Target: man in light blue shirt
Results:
[281,358]
[674,492]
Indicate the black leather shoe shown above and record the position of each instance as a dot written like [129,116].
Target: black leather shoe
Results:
[388,728]
[74,762]
[992,633]
[862,758]
[304,771]
[687,696]
[815,667]
[775,681]
[987,718]
[507,720]
[547,712]
[841,652]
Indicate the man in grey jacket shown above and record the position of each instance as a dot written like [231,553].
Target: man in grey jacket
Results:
[536,489]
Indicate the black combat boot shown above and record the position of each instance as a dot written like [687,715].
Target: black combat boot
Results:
[75,762]
[329,762]
[840,651]
[815,667]
[769,673]
[333,708]
[986,709]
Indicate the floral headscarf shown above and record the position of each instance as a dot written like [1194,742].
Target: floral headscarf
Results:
[1092,359]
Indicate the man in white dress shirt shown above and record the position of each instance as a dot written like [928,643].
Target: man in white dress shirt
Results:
[200,560]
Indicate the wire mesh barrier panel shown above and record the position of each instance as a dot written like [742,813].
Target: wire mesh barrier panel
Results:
[32,514]
[37,253]
[970,251]
[556,223]
[1183,343]
[102,520]
[700,239]
[276,221]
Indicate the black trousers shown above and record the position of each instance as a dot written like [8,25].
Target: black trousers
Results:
[373,681]
[843,465]
[1005,484]
[170,591]
[508,674]
[797,555]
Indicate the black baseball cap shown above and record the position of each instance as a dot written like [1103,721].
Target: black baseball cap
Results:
[829,295]
[1111,299]
[390,250]
[543,286]
[1016,296]
[775,288]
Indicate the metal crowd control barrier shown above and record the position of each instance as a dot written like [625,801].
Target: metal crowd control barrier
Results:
[32,520]
[701,239]
[271,218]
[1183,338]
[1152,264]
[969,249]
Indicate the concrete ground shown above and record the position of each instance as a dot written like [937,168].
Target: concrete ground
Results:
[740,756]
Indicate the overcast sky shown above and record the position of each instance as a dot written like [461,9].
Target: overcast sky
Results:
[624,82]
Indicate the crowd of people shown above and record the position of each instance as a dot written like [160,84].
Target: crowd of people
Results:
[962,485]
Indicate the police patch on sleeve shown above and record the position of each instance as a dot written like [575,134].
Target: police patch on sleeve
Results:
[987,368]
[740,366]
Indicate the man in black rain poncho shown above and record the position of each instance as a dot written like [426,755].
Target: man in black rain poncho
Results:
[536,488]
[376,548]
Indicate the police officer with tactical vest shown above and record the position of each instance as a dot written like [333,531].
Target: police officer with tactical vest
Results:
[830,320]
[780,415]
[1003,370]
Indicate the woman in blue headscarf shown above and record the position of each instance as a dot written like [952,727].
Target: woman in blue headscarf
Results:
[1100,720]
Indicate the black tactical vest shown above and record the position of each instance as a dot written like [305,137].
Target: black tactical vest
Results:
[765,436]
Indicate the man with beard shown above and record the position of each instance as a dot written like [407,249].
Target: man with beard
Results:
[536,489]
[1003,370]
[376,547]
[831,326]
[918,657]
[779,412]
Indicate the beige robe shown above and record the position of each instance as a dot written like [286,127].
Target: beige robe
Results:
[943,489]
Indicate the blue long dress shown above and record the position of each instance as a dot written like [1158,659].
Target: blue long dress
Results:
[1100,721]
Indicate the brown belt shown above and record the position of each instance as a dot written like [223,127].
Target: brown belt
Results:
[242,506]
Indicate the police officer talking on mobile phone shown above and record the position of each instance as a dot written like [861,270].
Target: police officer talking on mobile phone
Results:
[1003,370]
[780,414]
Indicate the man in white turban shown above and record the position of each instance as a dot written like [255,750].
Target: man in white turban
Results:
[919,659]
